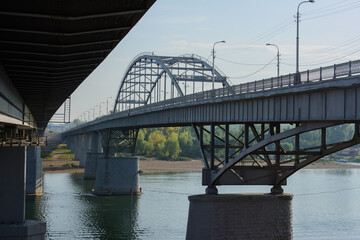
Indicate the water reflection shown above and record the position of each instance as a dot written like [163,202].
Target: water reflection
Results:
[325,206]
[71,211]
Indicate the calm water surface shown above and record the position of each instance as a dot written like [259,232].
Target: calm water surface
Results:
[325,206]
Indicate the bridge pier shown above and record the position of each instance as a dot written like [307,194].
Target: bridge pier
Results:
[240,216]
[83,149]
[12,199]
[34,176]
[92,157]
[117,176]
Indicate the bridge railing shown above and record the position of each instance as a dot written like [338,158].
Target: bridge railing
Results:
[314,75]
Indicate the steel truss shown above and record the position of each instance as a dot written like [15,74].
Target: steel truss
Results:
[119,141]
[150,78]
[255,154]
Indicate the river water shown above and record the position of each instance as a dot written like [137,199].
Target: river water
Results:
[325,206]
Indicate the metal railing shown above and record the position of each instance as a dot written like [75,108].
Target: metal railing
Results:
[315,75]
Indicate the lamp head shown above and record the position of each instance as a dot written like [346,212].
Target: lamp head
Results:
[268,44]
[312,1]
[223,41]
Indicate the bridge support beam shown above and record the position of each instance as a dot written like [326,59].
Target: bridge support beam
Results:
[34,176]
[12,198]
[240,216]
[92,157]
[117,176]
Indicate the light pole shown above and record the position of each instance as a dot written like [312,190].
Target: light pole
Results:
[94,112]
[297,76]
[213,62]
[107,105]
[131,200]
[278,57]
[100,108]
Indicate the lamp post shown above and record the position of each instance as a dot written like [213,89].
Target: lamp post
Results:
[213,62]
[278,57]
[297,76]
[100,108]
[131,201]
[107,105]
[94,112]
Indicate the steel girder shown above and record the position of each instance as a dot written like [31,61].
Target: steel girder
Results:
[150,78]
[256,154]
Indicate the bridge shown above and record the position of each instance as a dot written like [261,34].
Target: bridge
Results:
[325,98]
[164,91]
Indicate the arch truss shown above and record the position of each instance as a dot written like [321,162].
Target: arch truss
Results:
[267,153]
[150,78]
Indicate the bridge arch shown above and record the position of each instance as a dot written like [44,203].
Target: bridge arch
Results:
[150,78]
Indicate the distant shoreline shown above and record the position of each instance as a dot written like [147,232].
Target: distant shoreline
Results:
[160,166]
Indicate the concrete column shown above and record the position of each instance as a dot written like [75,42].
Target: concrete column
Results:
[240,216]
[84,149]
[92,157]
[12,198]
[34,176]
[115,175]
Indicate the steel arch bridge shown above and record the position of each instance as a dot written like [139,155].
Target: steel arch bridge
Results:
[150,78]
[243,131]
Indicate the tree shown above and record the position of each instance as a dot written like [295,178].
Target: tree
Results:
[172,147]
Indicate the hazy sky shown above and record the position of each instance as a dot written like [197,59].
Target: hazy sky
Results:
[329,34]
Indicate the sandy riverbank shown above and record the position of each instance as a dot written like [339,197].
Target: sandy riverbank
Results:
[153,166]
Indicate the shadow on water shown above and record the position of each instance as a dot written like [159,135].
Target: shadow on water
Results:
[71,211]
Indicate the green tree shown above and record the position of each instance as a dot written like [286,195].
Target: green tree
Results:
[172,147]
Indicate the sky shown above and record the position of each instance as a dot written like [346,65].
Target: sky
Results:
[328,34]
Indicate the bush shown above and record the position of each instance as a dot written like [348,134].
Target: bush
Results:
[71,165]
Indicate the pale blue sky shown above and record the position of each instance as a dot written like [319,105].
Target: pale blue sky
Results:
[328,34]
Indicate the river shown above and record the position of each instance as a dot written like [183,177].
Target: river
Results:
[325,206]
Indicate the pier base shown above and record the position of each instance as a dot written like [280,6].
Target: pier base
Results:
[29,230]
[90,166]
[240,216]
[115,175]
[12,197]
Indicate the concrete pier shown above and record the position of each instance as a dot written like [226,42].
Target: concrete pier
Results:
[12,198]
[34,176]
[92,157]
[115,175]
[239,216]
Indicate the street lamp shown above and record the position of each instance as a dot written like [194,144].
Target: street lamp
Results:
[297,76]
[131,200]
[278,57]
[213,60]
[107,105]
[94,112]
[100,108]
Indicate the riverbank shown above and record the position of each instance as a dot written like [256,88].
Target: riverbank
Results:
[159,166]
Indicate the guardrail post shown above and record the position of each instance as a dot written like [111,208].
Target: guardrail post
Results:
[241,88]
[263,81]
[349,68]
[334,71]
[281,81]
[247,87]
[320,73]
[308,73]
[271,83]
[255,87]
